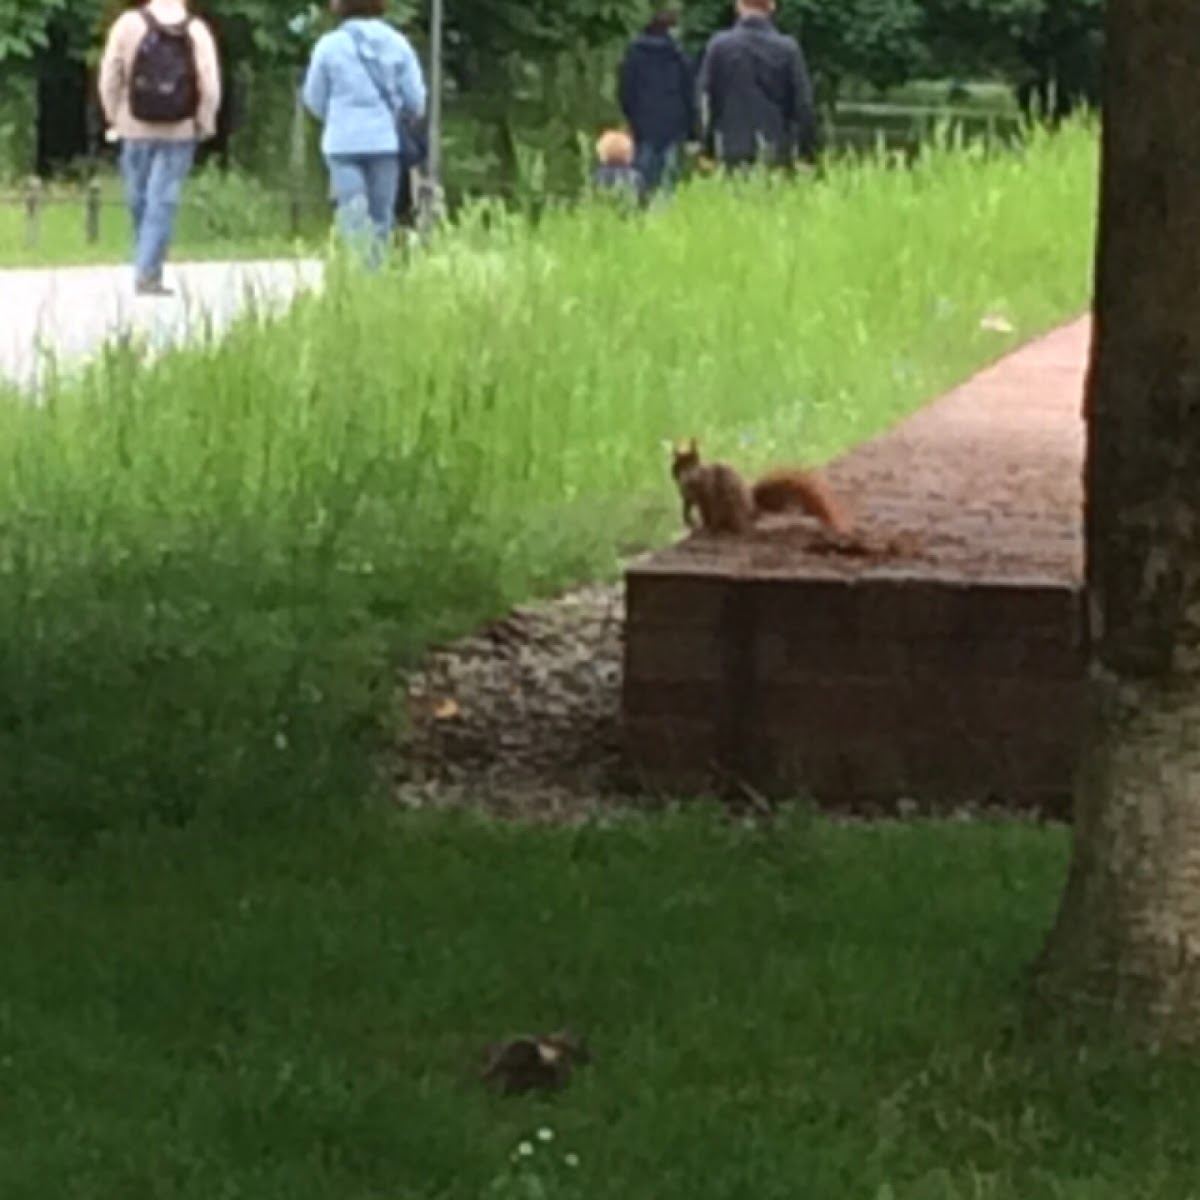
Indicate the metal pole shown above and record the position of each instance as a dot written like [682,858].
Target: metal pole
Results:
[432,174]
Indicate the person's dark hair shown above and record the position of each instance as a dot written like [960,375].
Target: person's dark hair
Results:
[663,20]
[359,8]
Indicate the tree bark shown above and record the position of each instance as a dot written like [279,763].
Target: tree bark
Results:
[1125,948]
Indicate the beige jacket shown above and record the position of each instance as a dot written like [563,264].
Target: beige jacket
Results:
[117,64]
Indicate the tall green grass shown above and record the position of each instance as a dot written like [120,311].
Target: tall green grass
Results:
[210,562]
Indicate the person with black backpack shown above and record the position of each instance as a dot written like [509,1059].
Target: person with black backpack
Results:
[160,88]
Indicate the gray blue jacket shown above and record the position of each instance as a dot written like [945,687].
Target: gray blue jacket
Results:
[759,96]
[339,90]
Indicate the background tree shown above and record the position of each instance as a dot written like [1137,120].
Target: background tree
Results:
[1049,50]
[1126,944]
[24,26]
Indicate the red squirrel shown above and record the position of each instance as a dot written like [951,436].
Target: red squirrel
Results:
[727,504]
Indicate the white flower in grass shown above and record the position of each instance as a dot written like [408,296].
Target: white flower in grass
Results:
[525,1150]
[571,1160]
[545,1134]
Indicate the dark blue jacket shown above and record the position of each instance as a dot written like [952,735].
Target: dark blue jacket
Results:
[759,94]
[657,90]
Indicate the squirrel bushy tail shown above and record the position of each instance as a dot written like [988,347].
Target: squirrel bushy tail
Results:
[779,491]
[727,504]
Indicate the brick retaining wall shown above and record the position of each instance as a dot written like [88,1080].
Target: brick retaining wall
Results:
[952,679]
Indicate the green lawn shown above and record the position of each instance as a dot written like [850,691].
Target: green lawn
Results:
[805,1011]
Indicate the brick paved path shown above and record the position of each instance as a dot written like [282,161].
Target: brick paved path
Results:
[990,476]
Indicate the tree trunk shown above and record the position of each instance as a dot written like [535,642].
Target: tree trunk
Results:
[1125,948]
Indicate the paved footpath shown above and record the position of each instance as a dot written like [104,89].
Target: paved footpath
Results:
[70,312]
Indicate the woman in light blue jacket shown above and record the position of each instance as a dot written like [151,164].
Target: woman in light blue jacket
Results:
[363,81]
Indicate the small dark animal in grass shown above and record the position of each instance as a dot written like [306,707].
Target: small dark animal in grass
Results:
[534,1064]
[727,504]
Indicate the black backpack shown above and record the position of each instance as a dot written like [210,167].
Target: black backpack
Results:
[164,86]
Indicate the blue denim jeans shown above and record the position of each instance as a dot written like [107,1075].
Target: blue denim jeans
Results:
[656,165]
[154,170]
[364,188]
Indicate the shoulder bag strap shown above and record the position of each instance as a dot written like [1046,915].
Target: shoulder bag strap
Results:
[388,102]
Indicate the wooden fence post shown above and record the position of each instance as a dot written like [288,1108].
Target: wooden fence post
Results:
[92,211]
[33,212]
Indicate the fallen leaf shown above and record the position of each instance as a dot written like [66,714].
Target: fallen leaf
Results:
[446,710]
